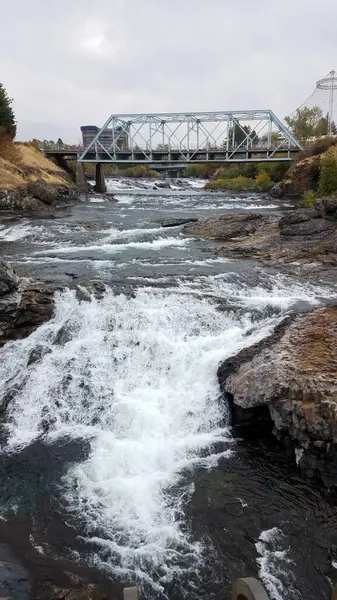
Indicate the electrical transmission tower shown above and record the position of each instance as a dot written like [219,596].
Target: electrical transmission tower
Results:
[324,96]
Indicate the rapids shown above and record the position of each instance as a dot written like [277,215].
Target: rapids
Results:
[144,481]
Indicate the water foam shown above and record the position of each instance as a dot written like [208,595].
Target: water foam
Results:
[136,377]
[18,232]
[274,562]
[118,248]
[280,291]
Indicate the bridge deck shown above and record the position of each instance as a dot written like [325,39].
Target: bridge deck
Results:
[176,157]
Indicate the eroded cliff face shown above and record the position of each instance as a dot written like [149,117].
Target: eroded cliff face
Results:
[292,374]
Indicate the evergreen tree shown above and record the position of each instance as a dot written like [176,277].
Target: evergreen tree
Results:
[327,183]
[7,118]
[322,127]
[333,128]
[239,133]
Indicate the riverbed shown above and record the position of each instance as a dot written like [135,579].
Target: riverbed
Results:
[117,455]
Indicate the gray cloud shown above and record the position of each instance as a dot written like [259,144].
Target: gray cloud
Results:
[76,61]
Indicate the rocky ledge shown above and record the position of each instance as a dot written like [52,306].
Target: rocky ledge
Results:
[287,384]
[302,241]
[38,195]
[24,304]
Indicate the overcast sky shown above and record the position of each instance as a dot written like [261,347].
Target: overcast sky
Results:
[74,62]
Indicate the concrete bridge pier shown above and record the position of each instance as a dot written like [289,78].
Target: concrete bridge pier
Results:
[100,185]
[81,179]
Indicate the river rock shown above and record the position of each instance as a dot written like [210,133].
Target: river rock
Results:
[327,206]
[298,242]
[24,304]
[277,191]
[176,222]
[293,375]
[37,195]
[309,227]
[165,185]
[292,217]
[9,281]
[227,227]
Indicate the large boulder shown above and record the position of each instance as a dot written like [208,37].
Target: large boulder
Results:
[9,280]
[227,227]
[309,227]
[24,305]
[277,191]
[292,217]
[327,206]
[293,375]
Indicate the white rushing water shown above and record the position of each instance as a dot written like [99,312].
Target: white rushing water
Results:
[273,562]
[137,377]
[134,376]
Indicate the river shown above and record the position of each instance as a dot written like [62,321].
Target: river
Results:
[116,453]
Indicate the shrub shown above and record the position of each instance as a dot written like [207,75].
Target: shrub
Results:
[214,185]
[327,183]
[263,181]
[138,171]
[237,184]
[230,172]
[241,183]
[250,170]
[278,170]
[195,170]
[308,200]
[317,147]
[8,150]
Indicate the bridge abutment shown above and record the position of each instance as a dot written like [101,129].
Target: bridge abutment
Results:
[100,185]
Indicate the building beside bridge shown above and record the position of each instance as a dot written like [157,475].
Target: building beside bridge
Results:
[107,136]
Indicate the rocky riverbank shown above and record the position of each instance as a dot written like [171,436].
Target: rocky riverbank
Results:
[301,241]
[286,384]
[37,196]
[24,304]
[30,183]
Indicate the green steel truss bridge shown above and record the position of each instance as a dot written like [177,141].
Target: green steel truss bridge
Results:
[178,139]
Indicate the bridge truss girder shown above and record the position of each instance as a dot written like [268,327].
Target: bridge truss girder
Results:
[191,137]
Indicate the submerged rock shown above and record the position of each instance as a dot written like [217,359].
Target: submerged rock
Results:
[292,374]
[165,185]
[176,222]
[14,578]
[24,305]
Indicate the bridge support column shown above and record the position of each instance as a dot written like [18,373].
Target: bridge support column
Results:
[100,185]
[81,180]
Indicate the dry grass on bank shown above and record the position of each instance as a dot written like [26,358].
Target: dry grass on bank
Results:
[22,163]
